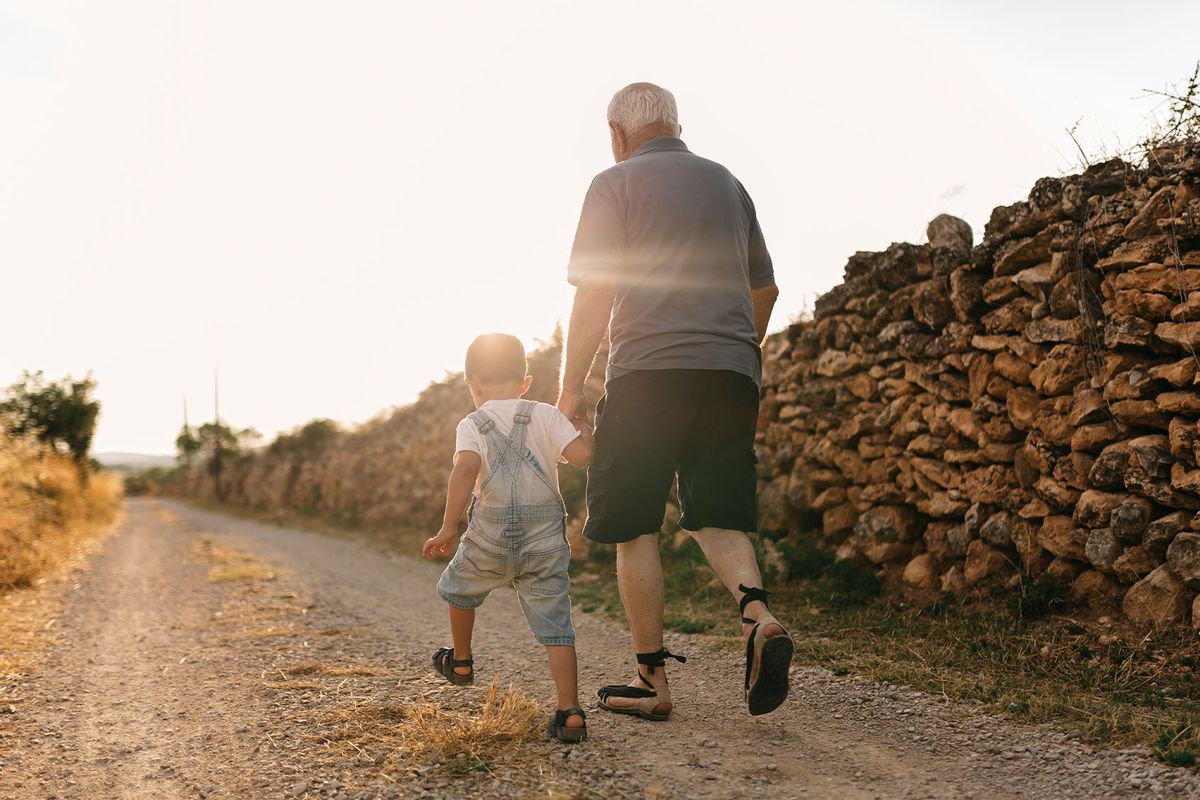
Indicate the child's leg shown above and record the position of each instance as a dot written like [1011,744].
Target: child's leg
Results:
[462,625]
[566,680]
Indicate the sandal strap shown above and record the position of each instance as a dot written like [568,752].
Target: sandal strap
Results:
[561,714]
[620,690]
[658,659]
[446,654]
[749,595]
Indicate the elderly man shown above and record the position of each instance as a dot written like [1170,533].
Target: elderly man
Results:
[670,260]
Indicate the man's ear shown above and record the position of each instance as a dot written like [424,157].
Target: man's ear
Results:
[618,141]
[525,384]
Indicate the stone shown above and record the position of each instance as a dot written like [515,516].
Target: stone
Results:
[1034,557]
[1178,373]
[1181,439]
[882,534]
[1183,557]
[1149,306]
[1153,277]
[1063,570]
[953,580]
[828,498]
[1059,497]
[1162,531]
[1108,471]
[1012,368]
[1095,590]
[1179,402]
[1185,480]
[839,519]
[1159,600]
[1102,549]
[997,530]
[951,233]
[1133,565]
[966,294]
[1061,370]
[1023,253]
[1058,536]
[931,304]
[1087,407]
[1092,438]
[1023,405]
[1139,414]
[983,562]
[1051,329]
[1095,508]
[1180,334]
[1128,332]
[833,363]
[1152,453]
[919,573]
[1008,318]
[1130,519]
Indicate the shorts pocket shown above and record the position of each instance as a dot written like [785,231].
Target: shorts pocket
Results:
[481,562]
[545,574]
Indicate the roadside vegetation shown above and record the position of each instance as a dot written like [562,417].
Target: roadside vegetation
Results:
[51,495]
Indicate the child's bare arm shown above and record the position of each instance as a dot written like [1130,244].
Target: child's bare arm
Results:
[458,494]
[579,451]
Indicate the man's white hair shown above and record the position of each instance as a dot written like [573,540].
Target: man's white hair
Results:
[641,104]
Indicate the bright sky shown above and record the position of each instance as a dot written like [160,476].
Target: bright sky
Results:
[331,199]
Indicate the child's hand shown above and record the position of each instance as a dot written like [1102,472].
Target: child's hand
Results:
[440,543]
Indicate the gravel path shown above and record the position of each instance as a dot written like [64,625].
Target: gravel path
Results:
[167,684]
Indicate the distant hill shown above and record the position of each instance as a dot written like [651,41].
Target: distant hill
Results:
[133,461]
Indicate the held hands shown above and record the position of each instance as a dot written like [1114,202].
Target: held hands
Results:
[572,404]
[439,543]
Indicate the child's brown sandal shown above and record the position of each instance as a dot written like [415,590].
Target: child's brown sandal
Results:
[767,660]
[444,663]
[563,732]
[652,703]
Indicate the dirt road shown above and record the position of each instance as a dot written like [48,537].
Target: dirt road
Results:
[205,656]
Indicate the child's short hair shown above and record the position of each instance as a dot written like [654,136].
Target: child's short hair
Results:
[496,358]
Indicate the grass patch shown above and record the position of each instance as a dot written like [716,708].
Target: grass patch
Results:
[490,727]
[333,671]
[1024,661]
[231,566]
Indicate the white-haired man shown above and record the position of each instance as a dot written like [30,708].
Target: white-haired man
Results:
[669,259]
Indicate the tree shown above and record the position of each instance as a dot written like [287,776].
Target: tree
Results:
[61,413]
[187,444]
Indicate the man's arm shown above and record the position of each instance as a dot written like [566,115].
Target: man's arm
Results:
[764,301]
[589,321]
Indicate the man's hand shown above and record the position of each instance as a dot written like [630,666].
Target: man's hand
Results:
[572,404]
[439,543]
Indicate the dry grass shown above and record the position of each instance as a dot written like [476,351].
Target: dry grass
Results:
[231,566]
[47,508]
[316,669]
[491,727]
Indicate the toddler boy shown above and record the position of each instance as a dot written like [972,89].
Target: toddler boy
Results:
[505,465]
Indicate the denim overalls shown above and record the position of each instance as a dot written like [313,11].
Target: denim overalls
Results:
[516,533]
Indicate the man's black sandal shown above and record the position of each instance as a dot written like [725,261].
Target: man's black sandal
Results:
[653,702]
[561,731]
[767,660]
[444,663]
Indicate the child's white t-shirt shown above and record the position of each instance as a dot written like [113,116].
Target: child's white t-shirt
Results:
[549,433]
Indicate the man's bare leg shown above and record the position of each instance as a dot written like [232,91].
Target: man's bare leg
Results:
[731,555]
[640,578]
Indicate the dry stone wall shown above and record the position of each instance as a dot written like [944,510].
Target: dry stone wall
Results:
[961,416]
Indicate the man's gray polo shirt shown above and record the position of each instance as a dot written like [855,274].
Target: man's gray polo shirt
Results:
[677,237]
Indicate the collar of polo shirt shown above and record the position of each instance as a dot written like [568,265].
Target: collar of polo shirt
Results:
[661,144]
